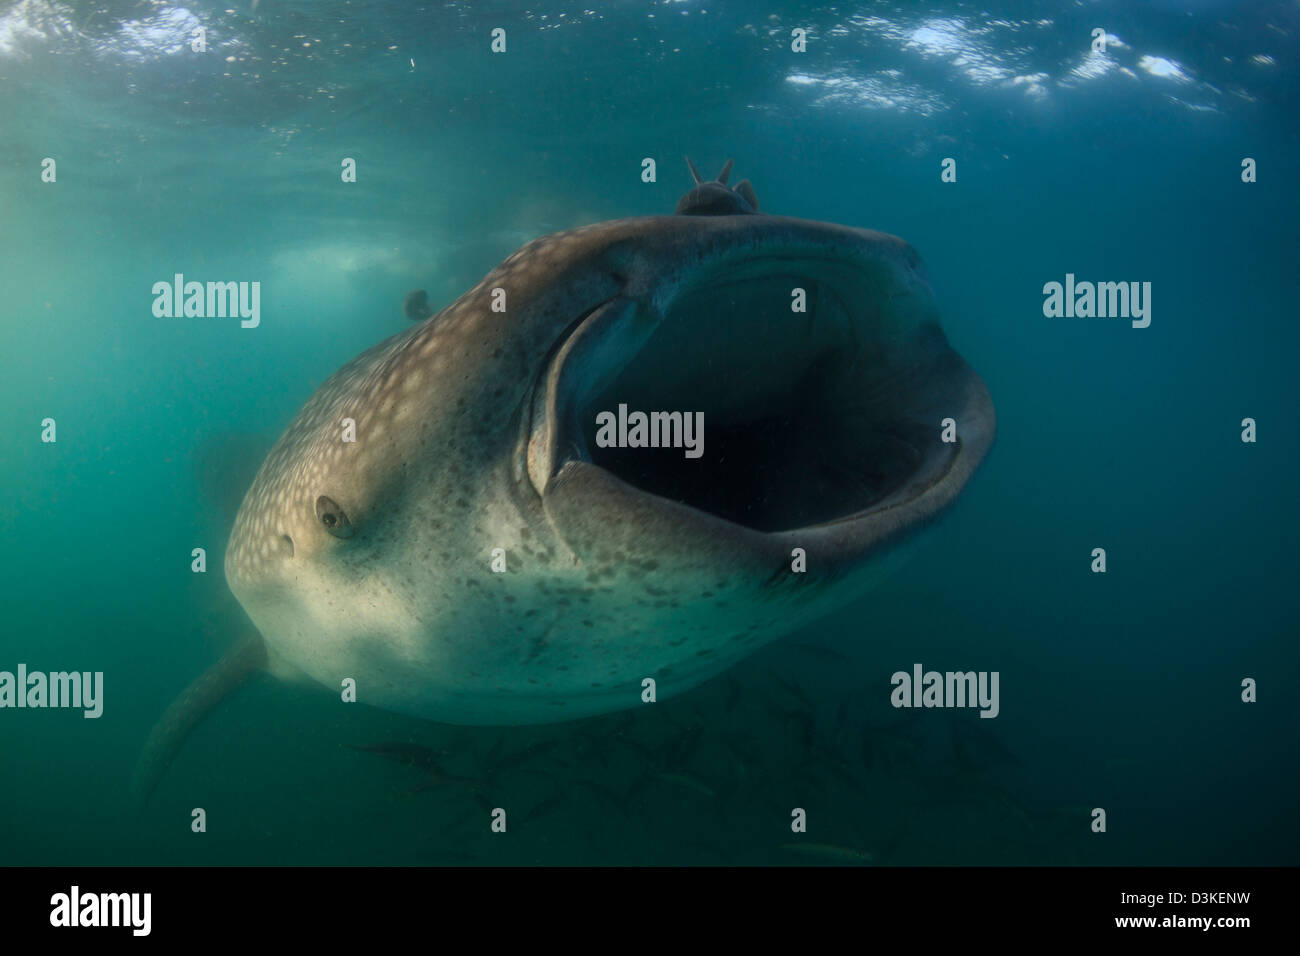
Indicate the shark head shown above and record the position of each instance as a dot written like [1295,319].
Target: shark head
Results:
[638,449]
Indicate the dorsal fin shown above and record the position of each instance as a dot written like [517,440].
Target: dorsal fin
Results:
[695,173]
[745,191]
[726,171]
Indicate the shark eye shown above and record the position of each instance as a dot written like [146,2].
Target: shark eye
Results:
[333,517]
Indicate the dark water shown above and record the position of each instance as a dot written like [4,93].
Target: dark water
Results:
[1119,691]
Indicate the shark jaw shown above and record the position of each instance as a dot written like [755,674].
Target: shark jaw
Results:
[823,425]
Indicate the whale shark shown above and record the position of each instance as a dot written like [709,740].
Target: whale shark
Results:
[439,529]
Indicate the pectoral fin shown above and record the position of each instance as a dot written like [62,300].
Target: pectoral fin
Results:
[189,709]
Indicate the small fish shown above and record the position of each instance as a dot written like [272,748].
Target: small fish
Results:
[413,755]
[608,794]
[888,747]
[416,306]
[442,779]
[806,730]
[830,852]
[1017,809]
[975,747]
[733,694]
[689,782]
[422,758]
[827,654]
[493,755]
[868,751]
[542,808]
[531,752]
[830,764]
[891,847]
[646,754]
[744,750]
[622,722]
[795,695]
[677,752]
[594,748]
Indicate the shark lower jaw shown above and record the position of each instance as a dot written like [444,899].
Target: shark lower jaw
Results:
[773,393]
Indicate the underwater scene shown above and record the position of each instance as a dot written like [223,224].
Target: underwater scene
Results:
[410,457]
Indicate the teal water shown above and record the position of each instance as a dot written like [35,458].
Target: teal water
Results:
[1119,691]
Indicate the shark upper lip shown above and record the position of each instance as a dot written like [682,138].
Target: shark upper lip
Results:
[818,417]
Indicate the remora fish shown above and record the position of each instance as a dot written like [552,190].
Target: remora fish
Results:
[475,431]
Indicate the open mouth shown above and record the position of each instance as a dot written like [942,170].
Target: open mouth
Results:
[778,393]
